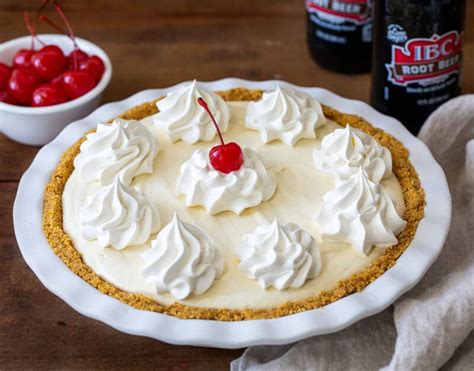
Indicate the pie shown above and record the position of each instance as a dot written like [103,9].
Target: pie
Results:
[299,206]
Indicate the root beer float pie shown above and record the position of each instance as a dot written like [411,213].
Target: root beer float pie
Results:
[232,205]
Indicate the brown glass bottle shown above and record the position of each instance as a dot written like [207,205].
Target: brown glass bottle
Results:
[339,34]
[417,57]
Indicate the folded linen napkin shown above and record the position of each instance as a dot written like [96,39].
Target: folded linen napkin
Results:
[431,325]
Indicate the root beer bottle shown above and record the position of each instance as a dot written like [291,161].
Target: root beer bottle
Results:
[339,34]
[417,57]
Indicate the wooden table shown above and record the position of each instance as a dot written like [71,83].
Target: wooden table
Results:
[151,44]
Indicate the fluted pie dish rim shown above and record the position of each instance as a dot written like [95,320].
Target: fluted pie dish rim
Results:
[359,305]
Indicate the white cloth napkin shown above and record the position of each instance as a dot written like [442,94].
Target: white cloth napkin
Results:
[431,326]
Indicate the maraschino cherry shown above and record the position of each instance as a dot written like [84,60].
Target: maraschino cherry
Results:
[5,73]
[21,85]
[93,66]
[224,157]
[47,63]
[48,95]
[76,55]
[5,97]
[77,83]
[22,58]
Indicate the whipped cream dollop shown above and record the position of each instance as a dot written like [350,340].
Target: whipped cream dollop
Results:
[182,260]
[360,212]
[183,118]
[118,216]
[279,256]
[124,148]
[202,185]
[286,115]
[345,150]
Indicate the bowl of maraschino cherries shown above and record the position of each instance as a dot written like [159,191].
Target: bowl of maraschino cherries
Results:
[49,80]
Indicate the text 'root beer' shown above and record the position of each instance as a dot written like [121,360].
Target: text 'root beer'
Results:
[417,57]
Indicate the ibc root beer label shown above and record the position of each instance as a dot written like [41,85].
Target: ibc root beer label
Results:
[354,11]
[425,60]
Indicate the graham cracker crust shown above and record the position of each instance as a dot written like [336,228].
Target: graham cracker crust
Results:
[63,247]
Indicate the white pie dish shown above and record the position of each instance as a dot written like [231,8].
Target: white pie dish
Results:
[410,267]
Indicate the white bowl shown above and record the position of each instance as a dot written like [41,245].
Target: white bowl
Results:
[39,125]
[409,269]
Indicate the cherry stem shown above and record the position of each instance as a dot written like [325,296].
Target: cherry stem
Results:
[32,30]
[29,27]
[203,104]
[41,9]
[54,25]
[60,11]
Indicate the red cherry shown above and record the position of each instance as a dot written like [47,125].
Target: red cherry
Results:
[226,157]
[6,97]
[93,66]
[21,85]
[58,80]
[51,49]
[5,73]
[79,55]
[77,83]
[48,95]
[22,58]
[48,64]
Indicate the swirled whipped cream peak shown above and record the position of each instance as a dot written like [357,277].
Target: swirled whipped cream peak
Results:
[181,117]
[182,260]
[280,256]
[118,216]
[360,212]
[236,191]
[286,115]
[345,150]
[122,149]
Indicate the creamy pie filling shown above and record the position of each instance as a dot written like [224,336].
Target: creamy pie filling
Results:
[300,188]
